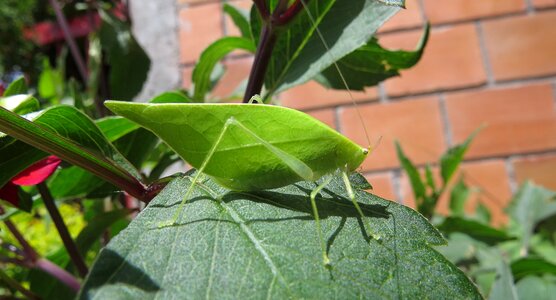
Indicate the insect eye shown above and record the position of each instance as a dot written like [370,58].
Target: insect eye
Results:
[365,151]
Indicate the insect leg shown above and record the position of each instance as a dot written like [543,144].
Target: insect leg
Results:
[314,194]
[357,207]
[199,172]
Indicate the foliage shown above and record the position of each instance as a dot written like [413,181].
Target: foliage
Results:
[512,262]
[227,243]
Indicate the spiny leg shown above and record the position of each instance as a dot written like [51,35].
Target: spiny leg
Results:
[300,168]
[351,195]
[314,193]
[198,174]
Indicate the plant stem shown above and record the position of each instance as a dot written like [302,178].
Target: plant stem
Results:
[63,23]
[47,141]
[63,231]
[260,64]
[30,253]
[267,42]
[58,273]
[32,260]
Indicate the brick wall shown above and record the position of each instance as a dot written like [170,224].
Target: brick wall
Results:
[488,62]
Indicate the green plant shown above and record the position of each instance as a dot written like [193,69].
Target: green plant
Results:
[237,244]
[512,262]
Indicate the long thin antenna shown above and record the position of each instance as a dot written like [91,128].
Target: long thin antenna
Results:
[370,148]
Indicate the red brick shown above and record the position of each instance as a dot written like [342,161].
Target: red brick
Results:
[327,116]
[382,185]
[312,95]
[451,60]
[489,180]
[199,26]
[237,71]
[544,3]
[458,10]
[415,123]
[407,18]
[517,120]
[523,46]
[539,169]
[186,77]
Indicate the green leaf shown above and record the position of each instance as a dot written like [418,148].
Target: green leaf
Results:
[210,57]
[458,196]
[537,288]
[370,64]
[66,132]
[531,266]
[172,97]
[51,288]
[74,182]
[530,205]
[17,87]
[129,62]
[450,161]
[503,288]
[51,83]
[299,54]
[240,19]
[416,183]
[20,104]
[474,229]
[264,245]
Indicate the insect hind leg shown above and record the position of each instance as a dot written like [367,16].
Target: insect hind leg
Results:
[351,196]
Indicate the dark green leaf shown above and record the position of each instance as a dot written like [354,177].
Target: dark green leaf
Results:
[210,57]
[240,19]
[416,183]
[20,104]
[503,288]
[65,132]
[532,266]
[369,65]
[17,87]
[450,161]
[474,229]
[299,54]
[74,182]
[430,179]
[253,245]
[128,61]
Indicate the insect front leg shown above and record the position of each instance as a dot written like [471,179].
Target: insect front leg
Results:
[197,176]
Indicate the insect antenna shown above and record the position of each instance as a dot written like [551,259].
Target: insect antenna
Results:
[344,82]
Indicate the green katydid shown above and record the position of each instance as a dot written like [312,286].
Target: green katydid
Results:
[251,147]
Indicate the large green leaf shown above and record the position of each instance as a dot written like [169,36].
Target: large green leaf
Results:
[299,53]
[253,245]
[537,288]
[128,61]
[369,65]
[474,229]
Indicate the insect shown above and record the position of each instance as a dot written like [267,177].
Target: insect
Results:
[248,147]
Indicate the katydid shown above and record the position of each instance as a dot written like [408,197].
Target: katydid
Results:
[249,147]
